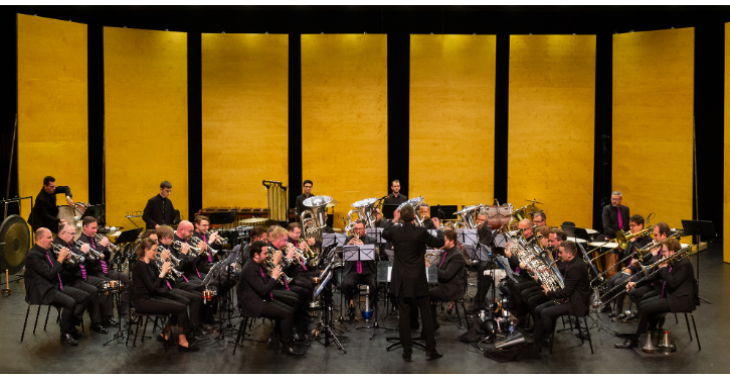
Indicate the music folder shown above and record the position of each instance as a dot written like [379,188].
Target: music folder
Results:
[365,252]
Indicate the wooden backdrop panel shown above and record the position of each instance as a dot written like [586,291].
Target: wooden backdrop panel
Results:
[552,81]
[345,116]
[452,86]
[245,117]
[146,120]
[52,107]
[653,92]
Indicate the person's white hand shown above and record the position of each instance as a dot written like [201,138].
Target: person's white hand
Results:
[70,201]
[545,289]
[630,285]
[62,255]
[428,264]
[213,238]
[185,249]
[104,242]
[436,222]
[396,215]
[85,248]
[165,255]
[63,221]
[165,268]
[276,273]
[277,257]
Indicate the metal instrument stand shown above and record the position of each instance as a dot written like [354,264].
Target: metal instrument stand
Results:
[329,330]
[120,332]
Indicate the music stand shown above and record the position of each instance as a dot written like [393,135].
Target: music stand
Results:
[440,211]
[129,236]
[699,228]
[333,238]
[388,210]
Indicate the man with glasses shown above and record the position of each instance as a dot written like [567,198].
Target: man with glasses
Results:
[307,192]
[45,212]
[359,272]
[615,216]
[159,210]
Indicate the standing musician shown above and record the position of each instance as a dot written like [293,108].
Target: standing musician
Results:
[45,212]
[256,299]
[451,275]
[677,290]
[359,272]
[380,222]
[44,286]
[150,289]
[159,210]
[408,278]
[307,186]
[577,292]
[182,290]
[100,267]
[395,198]
[485,235]
[75,275]
[636,224]
[615,216]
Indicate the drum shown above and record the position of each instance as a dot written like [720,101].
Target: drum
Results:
[72,215]
[209,296]
[338,269]
[497,216]
[112,287]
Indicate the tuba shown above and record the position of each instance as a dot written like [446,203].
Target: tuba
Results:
[316,216]
[365,211]
[415,203]
[467,215]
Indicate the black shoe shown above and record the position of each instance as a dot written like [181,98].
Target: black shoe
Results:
[67,339]
[606,309]
[74,332]
[436,326]
[406,357]
[415,327]
[110,322]
[628,343]
[351,313]
[433,355]
[98,328]
[393,311]
[190,348]
[293,351]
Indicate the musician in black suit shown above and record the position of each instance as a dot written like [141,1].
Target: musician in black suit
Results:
[257,234]
[359,272]
[484,282]
[395,197]
[255,297]
[615,216]
[423,212]
[211,240]
[677,292]
[307,192]
[408,277]
[43,285]
[159,210]
[638,294]
[380,222]
[577,292]
[45,212]
[74,274]
[451,275]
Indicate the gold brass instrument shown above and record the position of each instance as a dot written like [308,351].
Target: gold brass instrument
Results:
[647,248]
[640,251]
[71,257]
[194,252]
[94,254]
[685,252]
[623,239]
[316,213]
[416,204]
[112,247]
[517,216]
[308,252]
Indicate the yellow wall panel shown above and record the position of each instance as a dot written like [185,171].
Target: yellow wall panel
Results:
[245,117]
[726,202]
[345,116]
[52,107]
[452,86]
[653,91]
[146,105]
[551,125]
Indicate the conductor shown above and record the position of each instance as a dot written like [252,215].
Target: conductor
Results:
[408,278]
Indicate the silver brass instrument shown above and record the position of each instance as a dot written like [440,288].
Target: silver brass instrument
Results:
[365,211]
[270,269]
[71,257]
[415,203]
[648,347]
[174,262]
[194,252]
[94,254]
[299,254]
[196,241]
[169,275]
[317,216]
[112,247]
[468,216]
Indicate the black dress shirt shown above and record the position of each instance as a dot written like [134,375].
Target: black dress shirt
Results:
[45,211]
[41,276]
[393,200]
[254,289]
[367,266]
[577,287]
[158,211]
[300,203]
[610,220]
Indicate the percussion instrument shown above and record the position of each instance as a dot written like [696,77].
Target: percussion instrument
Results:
[497,216]
[14,243]
[112,287]
[209,296]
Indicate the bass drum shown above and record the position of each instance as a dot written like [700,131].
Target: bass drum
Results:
[72,215]
[14,244]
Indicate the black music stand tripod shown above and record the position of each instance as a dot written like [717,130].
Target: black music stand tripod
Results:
[699,228]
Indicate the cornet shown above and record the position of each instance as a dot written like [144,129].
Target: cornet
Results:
[113,247]
[71,257]
[194,252]
[94,254]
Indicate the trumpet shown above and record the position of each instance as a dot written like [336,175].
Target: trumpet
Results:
[194,252]
[270,266]
[171,273]
[309,252]
[299,254]
[94,254]
[196,241]
[71,257]
[174,260]
[113,247]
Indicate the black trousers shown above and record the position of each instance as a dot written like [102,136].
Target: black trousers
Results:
[636,295]
[619,292]
[94,299]
[352,279]
[73,303]
[284,316]
[648,311]
[160,305]
[484,282]
[297,299]
[113,275]
[194,299]
[405,307]
[548,315]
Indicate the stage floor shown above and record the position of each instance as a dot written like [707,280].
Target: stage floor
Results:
[43,353]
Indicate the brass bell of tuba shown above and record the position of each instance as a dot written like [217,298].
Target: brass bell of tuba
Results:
[314,219]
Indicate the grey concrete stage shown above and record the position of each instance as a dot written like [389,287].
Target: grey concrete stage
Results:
[43,353]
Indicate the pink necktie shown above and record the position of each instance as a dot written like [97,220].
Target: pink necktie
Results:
[664,286]
[196,271]
[265,281]
[620,221]
[60,284]
[443,259]
[359,267]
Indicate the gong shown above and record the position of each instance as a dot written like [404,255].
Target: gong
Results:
[14,243]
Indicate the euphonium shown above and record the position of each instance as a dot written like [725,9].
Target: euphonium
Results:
[415,203]
[71,257]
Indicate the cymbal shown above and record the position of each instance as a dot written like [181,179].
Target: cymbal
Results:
[332,204]
[534,201]
[253,220]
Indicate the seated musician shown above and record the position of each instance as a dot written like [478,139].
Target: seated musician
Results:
[75,275]
[301,283]
[535,296]
[255,297]
[539,218]
[295,237]
[380,222]
[257,234]
[100,267]
[191,259]
[150,289]
[451,275]
[359,272]
[677,291]
[44,286]
[577,292]
[661,233]
[45,211]
[159,210]
[424,214]
[182,290]
[202,224]
[636,224]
